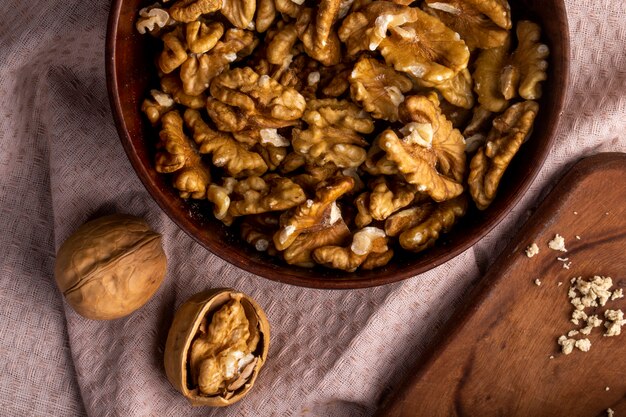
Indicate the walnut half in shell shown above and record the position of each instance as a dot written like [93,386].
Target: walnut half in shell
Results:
[216,347]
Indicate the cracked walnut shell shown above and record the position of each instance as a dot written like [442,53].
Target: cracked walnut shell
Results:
[110,267]
[216,346]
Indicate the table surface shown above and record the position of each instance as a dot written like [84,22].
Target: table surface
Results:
[332,353]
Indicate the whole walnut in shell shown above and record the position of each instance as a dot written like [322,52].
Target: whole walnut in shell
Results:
[216,346]
[110,266]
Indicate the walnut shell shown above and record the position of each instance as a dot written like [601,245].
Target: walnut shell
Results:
[110,266]
[186,326]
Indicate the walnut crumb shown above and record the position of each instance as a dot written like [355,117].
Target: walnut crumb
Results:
[577,237]
[583,345]
[551,356]
[537,282]
[610,412]
[567,265]
[558,243]
[532,250]
[607,388]
[619,293]
[615,321]
[559,284]
[567,345]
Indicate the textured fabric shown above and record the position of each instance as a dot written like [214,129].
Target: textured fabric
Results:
[332,353]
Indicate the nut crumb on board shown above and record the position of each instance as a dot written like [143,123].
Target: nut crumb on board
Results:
[614,323]
[557,243]
[577,237]
[591,293]
[610,412]
[537,282]
[532,250]
[607,388]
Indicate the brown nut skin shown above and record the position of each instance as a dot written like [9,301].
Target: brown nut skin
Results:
[184,329]
[110,267]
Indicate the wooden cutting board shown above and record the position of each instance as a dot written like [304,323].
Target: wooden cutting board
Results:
[493,357]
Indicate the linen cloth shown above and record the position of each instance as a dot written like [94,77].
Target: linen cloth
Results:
[332,353]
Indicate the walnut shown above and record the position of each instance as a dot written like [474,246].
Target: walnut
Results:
[255,195]
[151,19]
[456,90]
[281,42]
[189,10]
[265,15]
[202,37]
[500,77]
[226,152]
[333,133]
[243,99]
[174,51]
[172,85]
[431,155]
[301,250]
[327,14]
[313,215]
[367,242]
[363,30]
[504,140]
[110,266]
[327,52]
[481,24]
[408,218]
[447,142]
[378,88]
[178,154]
[198,71]
[426,49]
[528,62]
[156,107]
[388,196]
[239,12]
[220,197]
[441,220]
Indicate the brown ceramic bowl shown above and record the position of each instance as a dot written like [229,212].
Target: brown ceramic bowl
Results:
[130,70]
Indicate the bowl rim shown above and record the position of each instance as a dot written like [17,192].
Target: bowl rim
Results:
[288,277]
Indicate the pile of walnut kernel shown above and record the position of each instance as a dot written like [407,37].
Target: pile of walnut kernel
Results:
[329,131]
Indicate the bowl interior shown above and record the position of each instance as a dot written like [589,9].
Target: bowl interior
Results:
[130,68]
